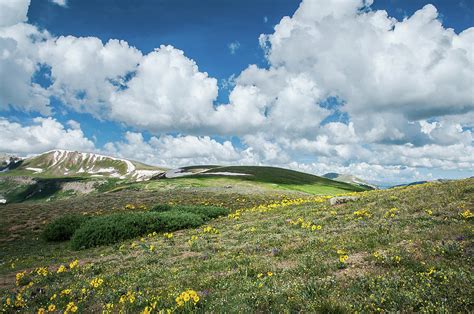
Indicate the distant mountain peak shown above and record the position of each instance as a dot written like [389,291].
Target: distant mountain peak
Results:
[64,163]
[348,178]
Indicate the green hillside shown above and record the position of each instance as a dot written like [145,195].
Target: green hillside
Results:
[283,178]
[400,250]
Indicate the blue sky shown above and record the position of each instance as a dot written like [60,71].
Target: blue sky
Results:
[206,31]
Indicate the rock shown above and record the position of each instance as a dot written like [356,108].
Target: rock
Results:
[3,201]
[341,200]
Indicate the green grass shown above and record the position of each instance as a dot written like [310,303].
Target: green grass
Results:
[282,176]
[271,260]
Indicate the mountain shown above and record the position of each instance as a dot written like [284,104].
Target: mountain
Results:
[8,161]
[63,163]
[349,179]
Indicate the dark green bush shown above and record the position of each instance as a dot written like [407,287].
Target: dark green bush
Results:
[122,226]
[206,212]
[63,227]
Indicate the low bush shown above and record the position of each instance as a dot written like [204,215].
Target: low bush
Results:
[63,228]
[206,212]
[122,226]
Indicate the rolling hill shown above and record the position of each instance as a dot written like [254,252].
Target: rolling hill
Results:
[277,178]
[60,174]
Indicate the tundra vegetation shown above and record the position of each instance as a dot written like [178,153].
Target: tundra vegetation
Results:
[404,249]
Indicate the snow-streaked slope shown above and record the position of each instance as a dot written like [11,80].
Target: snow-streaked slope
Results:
[347,178]
[72,163]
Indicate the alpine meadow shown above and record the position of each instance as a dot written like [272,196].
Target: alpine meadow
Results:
[272,156]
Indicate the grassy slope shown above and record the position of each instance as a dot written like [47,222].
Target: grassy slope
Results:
[419,259]
[284,179]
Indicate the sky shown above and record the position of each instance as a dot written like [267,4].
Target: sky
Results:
[380,89]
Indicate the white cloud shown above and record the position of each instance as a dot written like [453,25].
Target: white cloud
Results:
[176,151]
[62,3]
[233,47]
[85,72]
[415,67]
[17,66]
[13,12]
[406,87]
[42,135]
[167,93]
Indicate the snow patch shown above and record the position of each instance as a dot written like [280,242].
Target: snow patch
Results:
[227,173]
[36,170]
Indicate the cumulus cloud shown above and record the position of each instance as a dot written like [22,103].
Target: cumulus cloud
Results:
[415,68]
[176,151]
[13,12]
[42,135]
[85,72]
[18,60]
[405,88]
[167,92]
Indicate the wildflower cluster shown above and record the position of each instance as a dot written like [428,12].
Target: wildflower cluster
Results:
[392,212]
[19,277]
[61,269]
[96,282]
[129,297]
[133,207]
[342,257]
[71,307]
[168,235]
[42,271]
[382,258]
[263,208]
[193,239]
[362,213]
[187,297]
[304,224]
[210,229]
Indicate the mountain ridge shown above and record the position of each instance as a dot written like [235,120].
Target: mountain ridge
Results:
[67,163]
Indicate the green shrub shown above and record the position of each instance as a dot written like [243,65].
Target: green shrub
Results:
[161,208]
[206,212]
[122,226]
[63,228]
[174,220]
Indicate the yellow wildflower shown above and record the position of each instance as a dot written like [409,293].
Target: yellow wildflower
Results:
[19,277]
[41,310]
[71,307]
[61,269]
[96,282]
[65,292]
[42,271]
[467,214]
[343,258]
[51,308]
